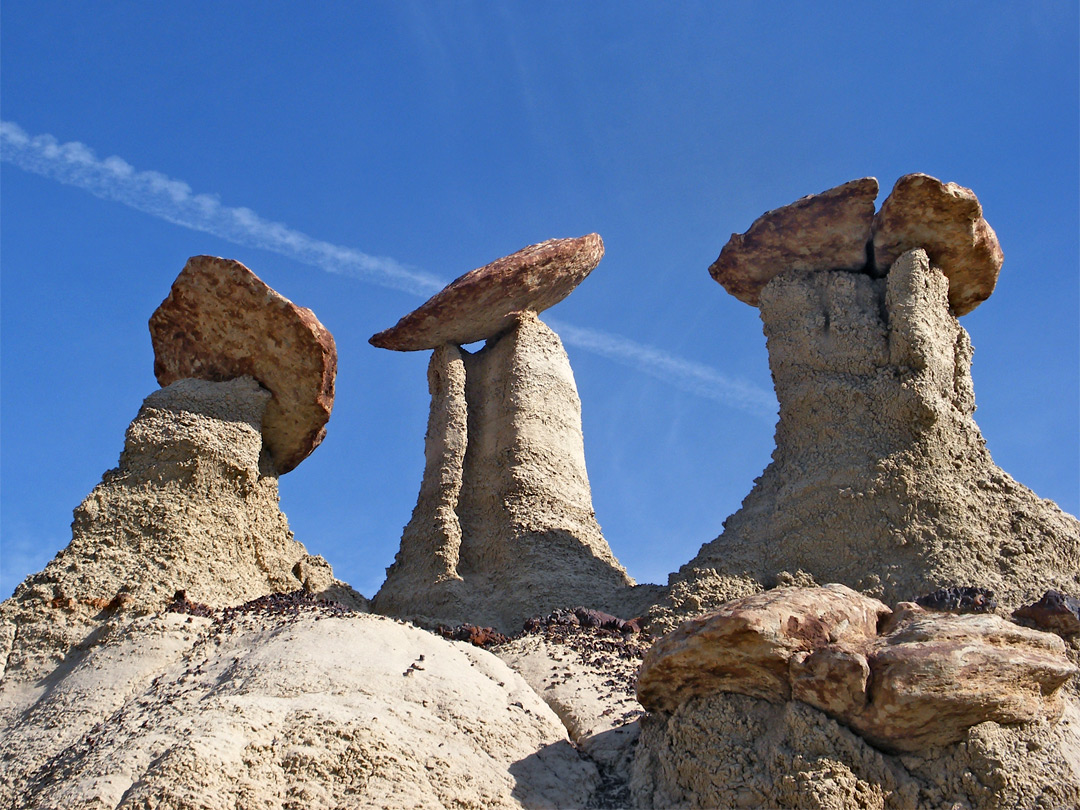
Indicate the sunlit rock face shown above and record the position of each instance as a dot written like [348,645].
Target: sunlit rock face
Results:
[192,505]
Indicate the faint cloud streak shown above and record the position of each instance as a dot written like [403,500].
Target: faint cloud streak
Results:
[113,178]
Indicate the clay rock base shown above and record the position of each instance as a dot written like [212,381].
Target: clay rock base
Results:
[320,709]
[503,528]
[193,505]
[736,751]
[880,479]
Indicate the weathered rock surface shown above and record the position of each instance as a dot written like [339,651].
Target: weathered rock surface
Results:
[487,301]
[934,676]
[880,479]
[504,527]
[318,709]
[827,231]
[221,321]
[747,645]
[946,221]
[924,682]
[735,751]
[193,505]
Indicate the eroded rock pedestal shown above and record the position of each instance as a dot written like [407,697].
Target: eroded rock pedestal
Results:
[504,527]
[193,506]
[880,478]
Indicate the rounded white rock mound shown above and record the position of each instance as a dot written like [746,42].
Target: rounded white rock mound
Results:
[312,707]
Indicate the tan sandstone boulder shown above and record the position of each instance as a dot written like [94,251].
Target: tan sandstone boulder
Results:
[945,220]
[221,321]
[926,680]
[484,302]
[827,231]
[746,646]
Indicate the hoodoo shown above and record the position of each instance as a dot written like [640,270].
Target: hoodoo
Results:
[193,503]
[880,478]
[504,527]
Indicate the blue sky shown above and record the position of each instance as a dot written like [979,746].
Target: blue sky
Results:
[399,143]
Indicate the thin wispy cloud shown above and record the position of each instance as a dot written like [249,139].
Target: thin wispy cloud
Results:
[113,178]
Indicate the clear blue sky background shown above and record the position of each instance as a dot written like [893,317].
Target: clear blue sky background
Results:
[445,135]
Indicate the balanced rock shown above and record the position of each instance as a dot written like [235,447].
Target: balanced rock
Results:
[221,321]
[880,479]
[945,220]
[827,231]
[747,645]
[503,527]
[485,302]
[924,682]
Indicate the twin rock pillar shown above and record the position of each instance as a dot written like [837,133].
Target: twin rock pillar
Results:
[503,528]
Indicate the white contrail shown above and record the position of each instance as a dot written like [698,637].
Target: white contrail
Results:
[696,378]
[113,178]
[75,164]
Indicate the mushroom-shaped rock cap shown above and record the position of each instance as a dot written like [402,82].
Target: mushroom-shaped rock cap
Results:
[221,321]
[827,231]
[946,220]
[484,302]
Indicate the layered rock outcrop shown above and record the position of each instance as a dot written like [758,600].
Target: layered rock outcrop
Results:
[880,479]
[824,698]
[503,527]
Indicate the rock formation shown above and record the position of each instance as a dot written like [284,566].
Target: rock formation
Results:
[486,301]
[316,708]
[946,221]
[881,479]
[221,321]
[192,505]
[827,231]
[503,527]
[726,750]
[905,681]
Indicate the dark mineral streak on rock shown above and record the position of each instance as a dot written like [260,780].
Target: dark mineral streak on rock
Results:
[959,599]
[1055,611]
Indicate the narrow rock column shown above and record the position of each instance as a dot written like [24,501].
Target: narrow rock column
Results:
[430,544]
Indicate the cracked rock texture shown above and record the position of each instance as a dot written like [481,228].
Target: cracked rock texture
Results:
[192,505]
[504,527]
[904,680]
[735,751]
[254,711]
[880,479]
